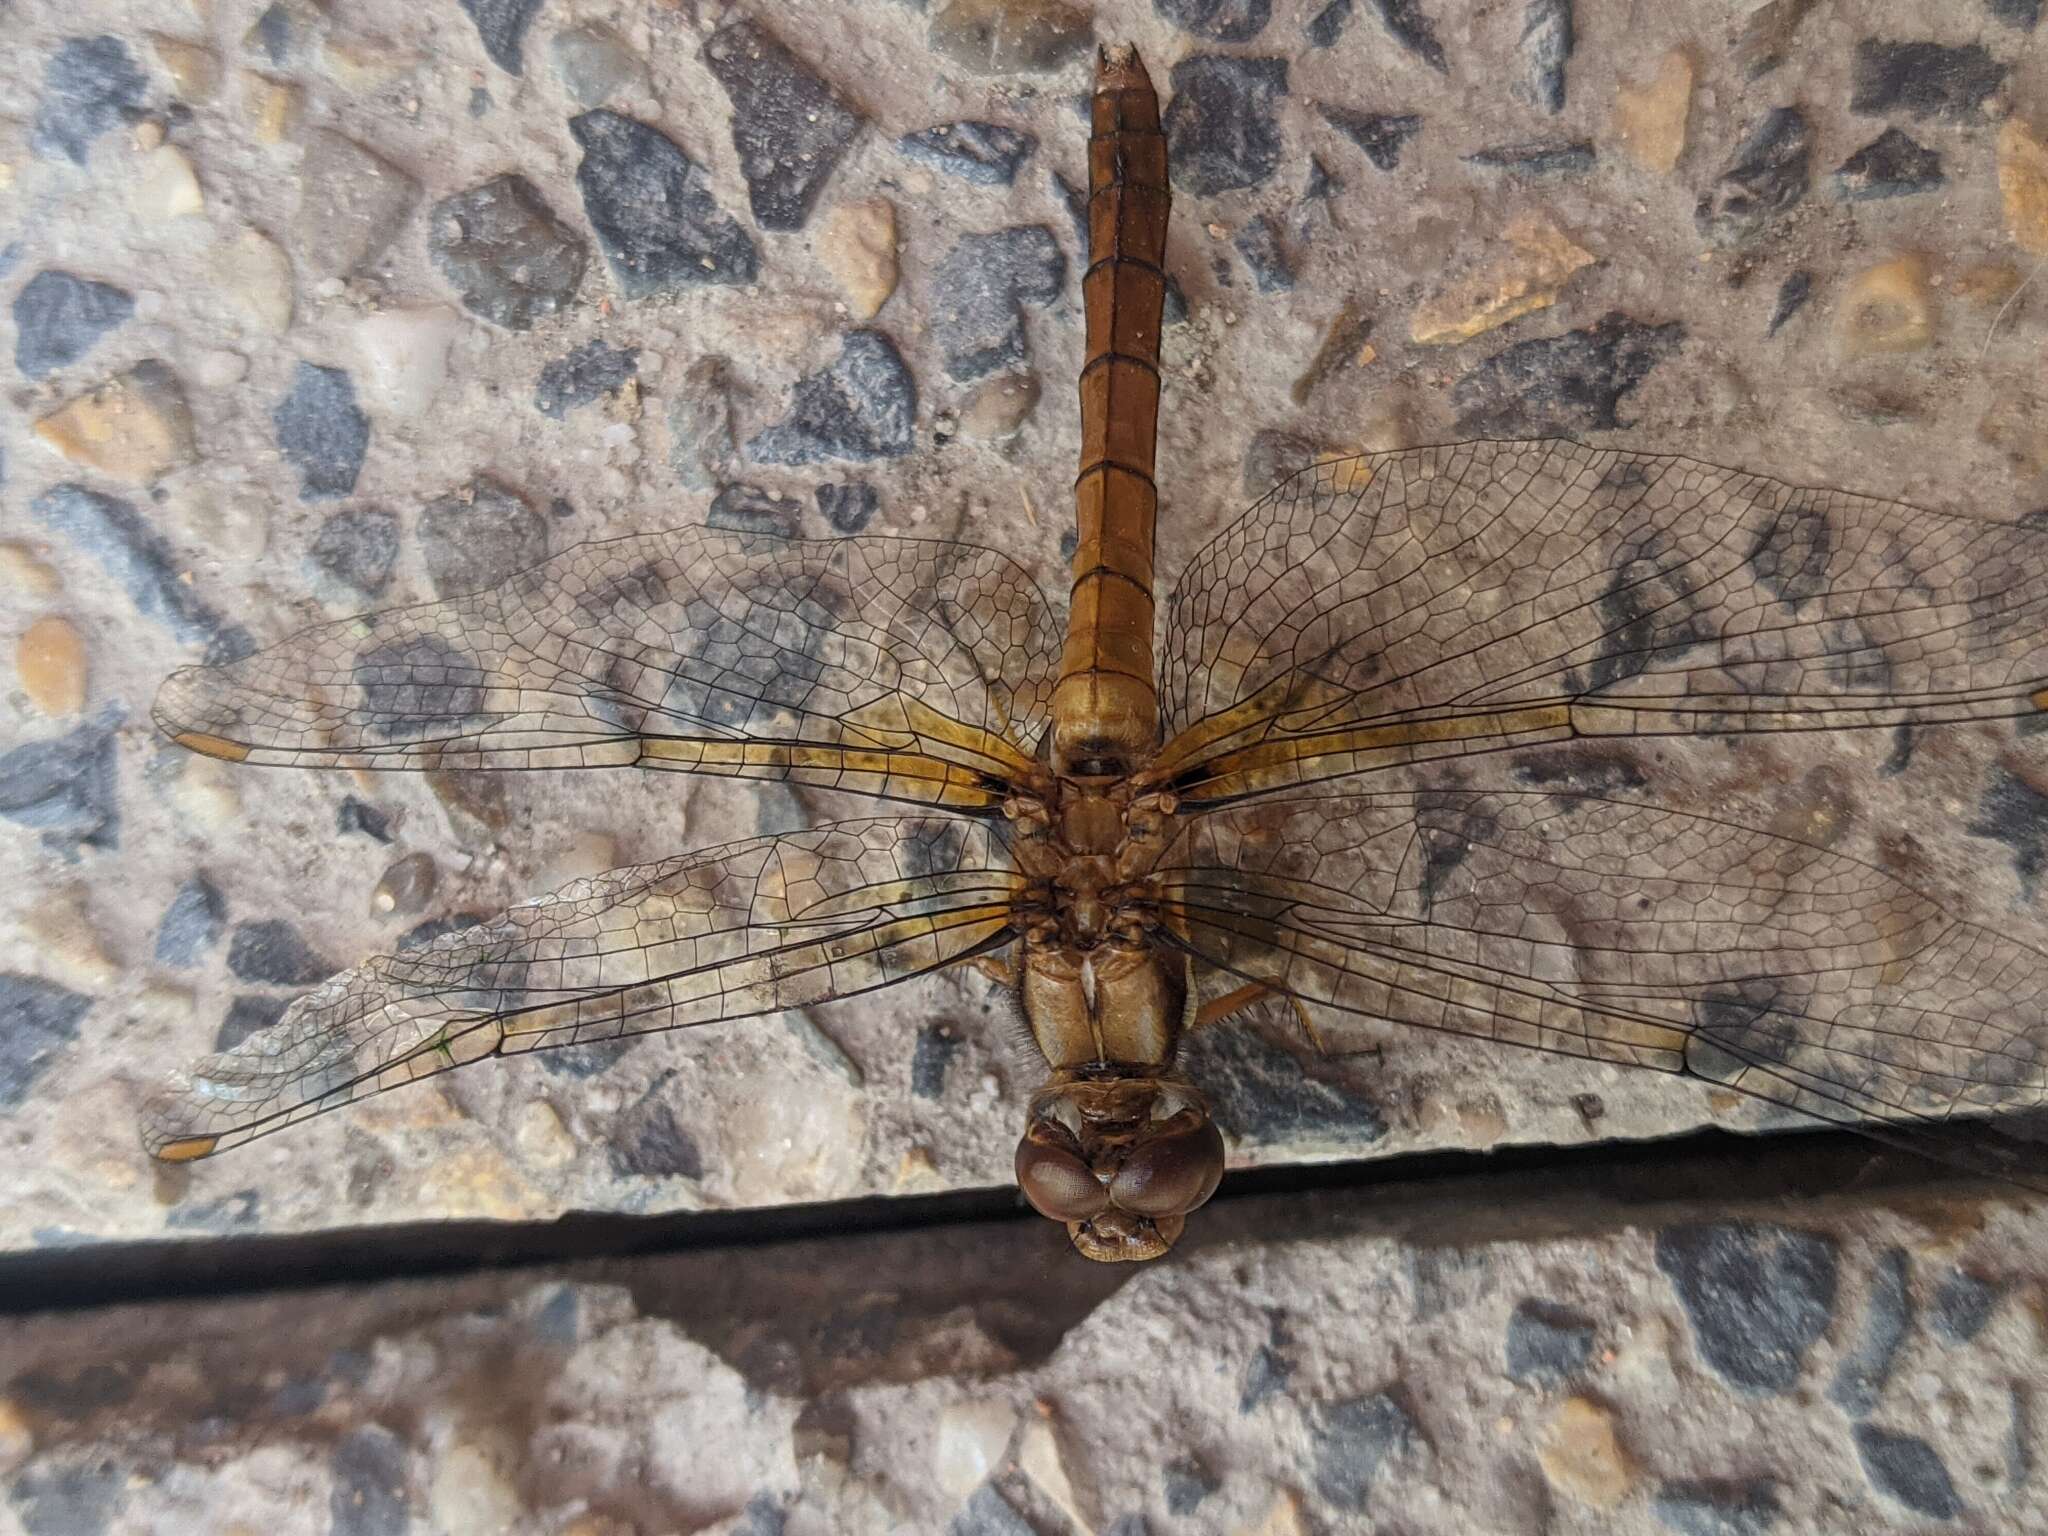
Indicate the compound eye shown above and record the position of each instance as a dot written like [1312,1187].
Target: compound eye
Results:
[1172,1173]
[1055,1180]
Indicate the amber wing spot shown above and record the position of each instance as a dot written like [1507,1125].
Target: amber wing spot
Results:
[186,1149]
[212,746]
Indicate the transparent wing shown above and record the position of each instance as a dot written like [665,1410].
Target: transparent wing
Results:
[913,669]
[750,928]
[1404,606]
[1629,934]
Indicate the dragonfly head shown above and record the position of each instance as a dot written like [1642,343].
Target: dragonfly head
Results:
[1120,1160]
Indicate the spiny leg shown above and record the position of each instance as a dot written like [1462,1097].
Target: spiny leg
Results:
[1218,1009]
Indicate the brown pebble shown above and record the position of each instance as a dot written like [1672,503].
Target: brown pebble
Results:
[50,661]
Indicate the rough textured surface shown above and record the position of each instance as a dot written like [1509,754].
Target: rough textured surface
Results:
[302,241]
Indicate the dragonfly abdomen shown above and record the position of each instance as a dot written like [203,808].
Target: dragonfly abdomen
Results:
[1105,709]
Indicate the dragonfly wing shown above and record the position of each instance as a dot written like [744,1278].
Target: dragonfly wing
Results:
[914,669]
[1630,934]
[1405,606]
[750,928]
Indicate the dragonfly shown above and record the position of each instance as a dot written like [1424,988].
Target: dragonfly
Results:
[1268,797]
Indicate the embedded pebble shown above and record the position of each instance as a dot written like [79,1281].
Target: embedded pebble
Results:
[1261,1094]
[652,209]
[404,353]
[1265,253]
[1380,134]
[701,443]
[1768,175]
[271,950]
[1562,384]
[1581,1456]
[1222,131]
[1218,21]
[59,317]
[134,427]
[49,660]
[1922,79]
[1908,1470]
[17,1439]
[218,368]
[1188,1481]
[595,64]
[1546,46]
[1526,275]
[847,507]
[406,887]
[982,288]
[592,371]
[89,84]
[321,432]
[476,537]
[285,31]
[969,1442]
[352,204]
[275,107]
[858,247]
[361,65]
[1649,118]
[1045,1457]
[999,407]
[1767,35]
[26,572]
[193,67]
[472,1489]
[1351,1440]
[353,816]
[38,1024]
[68,944]
[1891,165]
[1536,157]
[2023,186]
[1010,37]
[65,787]
[256,277]
[1706,1507]
[988,154]
[1757,1296]
[501,25]
[863,405]
[1887,1317]
[1963,1304]
[540,1136]
[1547,1343]
[789,127]
[206,793]
[750,509]
[506,254]
[192,924]
[1886,308]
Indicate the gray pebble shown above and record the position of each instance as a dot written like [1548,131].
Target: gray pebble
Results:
[862,406]
[38,1020]
[1792,296]
[1189,1480]
[59,317]
[1546,45]
[355,550]
[192,924]
[847,507]
[271,951]
[352,204]
[1408,26]
[750,509]
[368,1494]
[502,25]
[321,432]
[89,85]
[983,285]
[1562,384]
[1757,1296]
[1351,1440]
[648,1142]
[1709,1507]
[69,1499]
[789,127]
[700,433]
[67,788]
[1218,21]
[1380,134]
[249,1014]
[1260,1094]
[137,559]
[354,815]
[476,538]
[1923,79]
[987,154]
[1890,165]
[1908,1469]
[592,371]
[1536,157]
[1546,1344]
[1768,175]
[1260,245]
[504,251]
[988,1513]
[1963,1304]
[937,1045]
[1273,457]
[1221,128]
[652,208]
[1888,1314]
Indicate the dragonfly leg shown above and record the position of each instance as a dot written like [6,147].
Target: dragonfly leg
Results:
[1218,1009]
[997,969]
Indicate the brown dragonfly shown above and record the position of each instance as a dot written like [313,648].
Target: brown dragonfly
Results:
[1139,845]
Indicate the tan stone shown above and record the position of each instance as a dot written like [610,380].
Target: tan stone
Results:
[541,1137]
[68,945]
[1986,285]
[134,427]
[858,248]
[1887,308]
[26,572]
[194,68]
[1649,118]
[1581,1457]
[276,107]
[17,1441]
[916,1173]
[206,793]
[1045,1455]
[1000,406]
[1283,1517]
[1525,276]
[255,276]
[2023,184]
[357,64]
[166,186]
[50,660]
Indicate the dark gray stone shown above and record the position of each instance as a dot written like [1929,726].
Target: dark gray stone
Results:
[355,550]
[1267,1374]
[1547,41]
[1908,1469]
[1536,157]
[192,924]
[1260,245]
[478,536]
[138,561]
[505,253]
[1380,134]
[1351,1440]
[226,1214]
[937,1045]
[2024,14]
[368,1497]
[1222,131]
[863,405]
[593,370]
[66,788]
[89,85]
[1562,384]
[38,1019]
[1327,25]
[1218,21]
[580,1062]
[1923,79]
[1769,174]
[1189,1480]
[1546,1343]
[1274,456]
[750,509]
[1263,1095]
[1792,296]
[1963,1304]
[2015,813]
[988,1513]
[848,507]
[1887,1316]
[701,445]
[1407,25]
[1757,1296]
[355,815]
[74,1500]
[1890,165]
[650,1143]
[653,211]
[59,317]
[981,289]
[789,127]
[987,154]
[502,25]
[271,34]
[270,950]
[1766,38]
[1710,1507]
[248,1014]
[420,935]
[321,432]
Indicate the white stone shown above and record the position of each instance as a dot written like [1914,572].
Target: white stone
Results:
[166,186]
[470,1492]
[219,368]
[255,276]
[969,1445]
[404,352]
